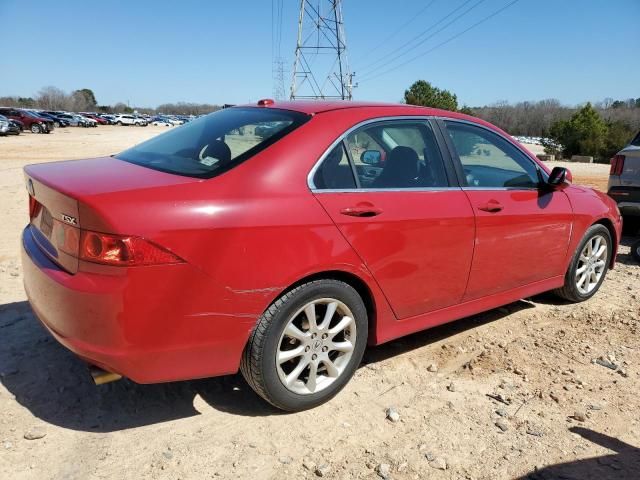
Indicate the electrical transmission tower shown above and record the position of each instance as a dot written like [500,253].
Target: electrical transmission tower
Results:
[321,69]
[278,79]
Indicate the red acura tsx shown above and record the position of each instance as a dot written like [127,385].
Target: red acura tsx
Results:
[282,238]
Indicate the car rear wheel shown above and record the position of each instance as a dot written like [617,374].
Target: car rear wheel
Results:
[35,128]
[307,345]
[119,123]
[635,251]
[588,266]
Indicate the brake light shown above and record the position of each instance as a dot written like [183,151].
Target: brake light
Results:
[617,165]
[34,207]
[122,250]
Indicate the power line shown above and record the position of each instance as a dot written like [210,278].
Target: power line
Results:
[395,32]
[421,34]
[441,44]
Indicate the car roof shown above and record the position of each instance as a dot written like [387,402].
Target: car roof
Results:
[312,107]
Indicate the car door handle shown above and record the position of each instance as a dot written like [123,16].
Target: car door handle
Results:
[361,211]
[492,206]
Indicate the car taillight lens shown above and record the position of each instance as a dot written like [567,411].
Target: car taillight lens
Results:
[617,165]
[122,250]
[34,207]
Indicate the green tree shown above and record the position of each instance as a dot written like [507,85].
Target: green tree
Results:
[584,133]
[89,95]
[466,110]
[424,94]
[618,135]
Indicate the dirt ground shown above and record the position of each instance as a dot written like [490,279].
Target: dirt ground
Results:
[511,393]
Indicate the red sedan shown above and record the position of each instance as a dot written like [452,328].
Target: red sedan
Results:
[274,239]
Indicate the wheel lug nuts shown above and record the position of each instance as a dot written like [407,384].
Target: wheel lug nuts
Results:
[325,349]
[324,335]
[313,335]
[314,356]
[307,348]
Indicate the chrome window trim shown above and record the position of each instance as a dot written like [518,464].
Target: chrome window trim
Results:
[364,123]
[480,189]
[374,190]
[515,144]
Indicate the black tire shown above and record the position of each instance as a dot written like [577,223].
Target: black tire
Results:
[119,123]
[570,290]
[35,128]
[258,365]
[635,251]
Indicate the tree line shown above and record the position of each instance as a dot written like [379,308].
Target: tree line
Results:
[84,100]
[598,130]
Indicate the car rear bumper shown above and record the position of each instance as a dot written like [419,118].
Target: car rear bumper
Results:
[135,322]
[627,198]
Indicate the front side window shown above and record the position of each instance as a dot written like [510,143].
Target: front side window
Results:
[216,142]
[490,161]
[397,155]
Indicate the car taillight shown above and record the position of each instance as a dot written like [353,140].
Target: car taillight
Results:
[122,250]
[34,207]
[617,165]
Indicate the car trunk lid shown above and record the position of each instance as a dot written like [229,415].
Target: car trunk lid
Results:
[56,192]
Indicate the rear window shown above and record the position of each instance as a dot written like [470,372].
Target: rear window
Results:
[636,141]
[215,143]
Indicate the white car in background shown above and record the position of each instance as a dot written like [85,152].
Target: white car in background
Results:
[88,121]
[130,120]
[162,123]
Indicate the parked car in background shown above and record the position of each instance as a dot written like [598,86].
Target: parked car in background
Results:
[284,256]
[624,181]
[4,125]
[73,119]
[109,118]
[125,119]
[31,121]
[63,122]
[15,127]
[161,122]
[90,121]
[96,117]
[57,122]
[18,126]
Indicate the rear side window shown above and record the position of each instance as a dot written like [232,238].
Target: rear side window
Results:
[335,171]
[490,161]
[636,141]
[215,143]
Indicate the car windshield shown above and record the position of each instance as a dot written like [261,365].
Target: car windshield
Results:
[31,114]
[216,142]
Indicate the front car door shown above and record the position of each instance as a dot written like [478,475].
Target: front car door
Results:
[393,196]
[522,230]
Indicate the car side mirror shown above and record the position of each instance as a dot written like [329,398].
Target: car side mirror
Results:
[559,177]
[371,157]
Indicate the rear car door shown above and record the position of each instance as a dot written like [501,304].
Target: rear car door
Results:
[393,196]
[522,230]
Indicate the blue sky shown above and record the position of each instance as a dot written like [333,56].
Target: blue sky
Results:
[150,52]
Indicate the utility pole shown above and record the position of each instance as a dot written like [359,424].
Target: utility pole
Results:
[321,69]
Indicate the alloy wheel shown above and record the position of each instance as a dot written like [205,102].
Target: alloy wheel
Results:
[316,346]
[591,264]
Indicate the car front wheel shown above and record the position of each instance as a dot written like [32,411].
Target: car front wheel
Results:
[35,128]
[307,345]
[588,266]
